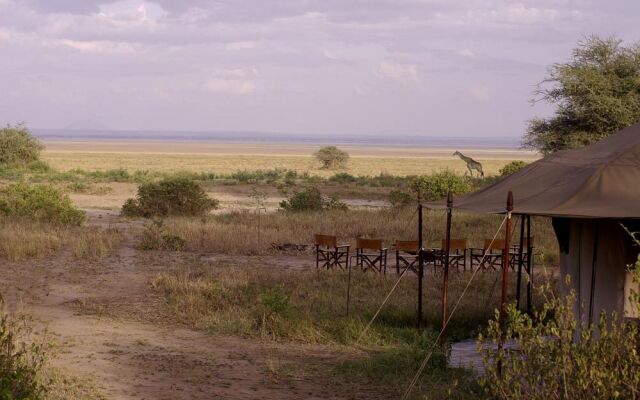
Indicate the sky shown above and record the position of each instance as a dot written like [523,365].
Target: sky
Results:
[374,67]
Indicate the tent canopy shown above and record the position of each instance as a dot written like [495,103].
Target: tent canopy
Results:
[598,181]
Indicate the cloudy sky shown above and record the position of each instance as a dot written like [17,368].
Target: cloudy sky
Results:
[411,67]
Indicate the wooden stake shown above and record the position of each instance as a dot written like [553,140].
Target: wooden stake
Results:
[445,279]
[505,271]
[420,266]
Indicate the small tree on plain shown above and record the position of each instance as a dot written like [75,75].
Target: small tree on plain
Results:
[18,145]
[332,157]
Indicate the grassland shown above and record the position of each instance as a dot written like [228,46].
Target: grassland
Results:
[227,280]
[229,163]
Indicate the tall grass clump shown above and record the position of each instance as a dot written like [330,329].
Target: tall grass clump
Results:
[169,197]
[21,363]
[39,202]
[23,239]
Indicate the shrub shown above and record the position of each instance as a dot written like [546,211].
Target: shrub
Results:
[400,198]
[343,178]
[437,185]
[155,237]
[20,363]
[170,196]
[39,202]
[551,363]
[311,199]
[512,167]
[331,157]
[18,146]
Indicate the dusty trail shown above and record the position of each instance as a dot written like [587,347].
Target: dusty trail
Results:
[107,323]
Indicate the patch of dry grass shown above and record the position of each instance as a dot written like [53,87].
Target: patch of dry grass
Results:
[252,233]
[309,306]
[226,163]
[24,239]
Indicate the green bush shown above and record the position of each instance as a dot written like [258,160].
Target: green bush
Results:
[437,185]
[155,237]
[311,199]
[18,146]
[331,157]
[550,363]
[169,197]
[400,198]
[39,202]
[512,167]
[20,363]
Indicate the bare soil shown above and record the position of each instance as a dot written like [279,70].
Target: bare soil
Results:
[106,322]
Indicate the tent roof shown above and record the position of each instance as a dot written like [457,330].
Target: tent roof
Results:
[598,181]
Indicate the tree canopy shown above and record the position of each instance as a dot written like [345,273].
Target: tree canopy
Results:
[332,157]
[597,92]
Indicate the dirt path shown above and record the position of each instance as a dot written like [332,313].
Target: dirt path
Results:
[107,323]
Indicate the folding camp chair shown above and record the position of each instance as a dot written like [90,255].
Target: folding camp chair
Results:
[329,253]
[527,250]
[490,255]
[407,255]
[457,253]
[375,259]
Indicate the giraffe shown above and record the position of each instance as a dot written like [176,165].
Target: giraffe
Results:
[471,164]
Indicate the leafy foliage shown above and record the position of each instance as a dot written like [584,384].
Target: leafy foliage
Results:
[400,198]
[170,196]
[39,202]
[602,363]
[156,237]
[512,167]
[597,93]
[332,157]
[311,199]
[20,363]
[18,146]
[437,185]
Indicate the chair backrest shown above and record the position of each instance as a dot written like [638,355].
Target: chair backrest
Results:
[369,244]
[454,244]
[326,241]
[407,245]
[498,244]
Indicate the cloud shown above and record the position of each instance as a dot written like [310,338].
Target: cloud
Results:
[480,93]
[238,81]
[240,45]
[405,73]
[97,46]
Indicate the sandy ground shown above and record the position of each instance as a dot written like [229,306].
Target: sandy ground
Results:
[108,324]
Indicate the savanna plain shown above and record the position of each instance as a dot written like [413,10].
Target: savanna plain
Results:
[230,304]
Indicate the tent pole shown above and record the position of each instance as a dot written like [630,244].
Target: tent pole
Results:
[445,279]
[593,271]
[420,266]
[529,267]
[505,274]
[520,261]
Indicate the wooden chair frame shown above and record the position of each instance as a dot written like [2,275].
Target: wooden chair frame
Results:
[330,254]
[526,252]
[491,255]
[407,255]
[376,260]
[457,253]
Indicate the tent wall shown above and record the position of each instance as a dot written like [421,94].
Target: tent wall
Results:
[579,239]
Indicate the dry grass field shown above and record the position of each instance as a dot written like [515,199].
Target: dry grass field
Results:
[169,157]
[225,314]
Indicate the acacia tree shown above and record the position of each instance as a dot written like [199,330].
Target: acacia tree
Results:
[332,157]
[597,92]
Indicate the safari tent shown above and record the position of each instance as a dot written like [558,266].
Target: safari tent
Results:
[591,194]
